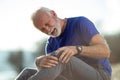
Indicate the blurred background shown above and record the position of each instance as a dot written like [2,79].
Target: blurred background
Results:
[21,42]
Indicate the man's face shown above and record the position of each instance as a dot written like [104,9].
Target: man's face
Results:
[49,25]
[56,29]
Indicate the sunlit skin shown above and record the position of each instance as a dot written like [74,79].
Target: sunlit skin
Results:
[53,26]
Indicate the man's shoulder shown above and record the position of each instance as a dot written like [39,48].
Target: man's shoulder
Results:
[78,17]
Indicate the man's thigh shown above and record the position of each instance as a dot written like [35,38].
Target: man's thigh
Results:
[79,70]
[61,77]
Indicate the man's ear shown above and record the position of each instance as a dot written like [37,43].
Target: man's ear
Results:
[53,13]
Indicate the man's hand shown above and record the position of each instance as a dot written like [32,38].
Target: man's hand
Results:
[46,61]
[67,53]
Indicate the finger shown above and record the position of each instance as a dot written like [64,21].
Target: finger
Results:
[41,63]
[63,55]
[50,57]
[68,56]
[49,65]
[52,62]
[68,59]
[59,50]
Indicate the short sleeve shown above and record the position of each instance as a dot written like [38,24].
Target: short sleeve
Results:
[87,29]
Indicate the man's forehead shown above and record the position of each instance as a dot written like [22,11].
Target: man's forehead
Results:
[42,15]
[42,19]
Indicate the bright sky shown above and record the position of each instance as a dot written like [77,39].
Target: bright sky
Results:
[17,30]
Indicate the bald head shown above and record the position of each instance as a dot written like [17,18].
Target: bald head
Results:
[42,9]
[39,14]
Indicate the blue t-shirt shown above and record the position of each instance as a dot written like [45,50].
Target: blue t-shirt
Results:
[78,31]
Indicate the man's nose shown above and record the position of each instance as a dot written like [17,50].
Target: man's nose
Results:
[46,29]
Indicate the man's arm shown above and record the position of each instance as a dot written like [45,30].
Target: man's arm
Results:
[97,48]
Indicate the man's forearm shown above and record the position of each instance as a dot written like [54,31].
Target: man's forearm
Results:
[96,51]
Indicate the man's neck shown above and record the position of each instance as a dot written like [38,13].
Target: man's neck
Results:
[63,22]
